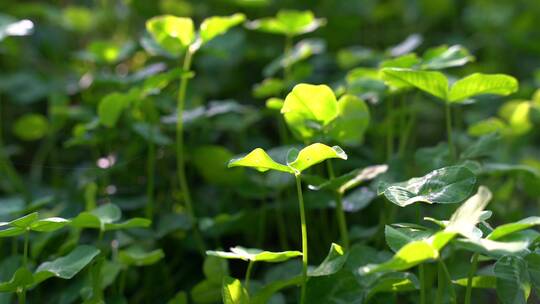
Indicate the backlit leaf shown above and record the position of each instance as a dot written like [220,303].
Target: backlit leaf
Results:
[172,33]
[233,292]
[259,160]
[255,255]
[479,84]
[308,108]
[314,154]
[217,25]
[434,83]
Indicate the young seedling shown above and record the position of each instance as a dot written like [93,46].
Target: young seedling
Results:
[177,35]
[297,161]
[254,255]
[340,185]
[461,91]
[289,23]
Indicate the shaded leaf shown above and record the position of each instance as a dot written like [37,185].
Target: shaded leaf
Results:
[447,185]
[333,262]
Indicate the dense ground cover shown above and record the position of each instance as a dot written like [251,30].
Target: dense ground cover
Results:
[258,151]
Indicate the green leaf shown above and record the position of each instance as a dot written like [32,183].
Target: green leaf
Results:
[394,282]
[479,84]
[218,25]
[396,238]
[314,154]
[408,256]
[21,278]
[486,126]
[49,224]
[111,107]
[533,266]
[135,222]
[206,292]
[494,248]
[255,255]
[447,185]
[351,122]
[308,108]
[263,295]
[138,257]
[259,160]
[172,33]
[487,282]
[350,180]
[25,221]
[68,266]
[333,262]
[434,83]
[465,218]
[31,127]
[233,292]
[510,228]
[215,269]
[269,87]
[211,162]
[288,22]
[443,57]
[513,282]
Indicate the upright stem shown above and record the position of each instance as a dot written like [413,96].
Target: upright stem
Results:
[150,168]
[472,271]
[340,214]
[180,159]
[449,279]
[304,239]
[25,253]
[451,147]
[286,53]
[390,129]
[422,284]
[248,274]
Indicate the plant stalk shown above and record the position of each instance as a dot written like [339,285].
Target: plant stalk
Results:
[150,169]
[248,274]
[451,147]
[390,129]
[180,157]
[340,213]
[472,271]
[422,283]
[304,239]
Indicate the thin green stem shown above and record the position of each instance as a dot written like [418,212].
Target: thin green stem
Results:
[248,274]
[389,129]
[22,296]
[449,279]
[25,252]
[440,284]
[407,133]
[340,213]
[422,283]
[180,159]
[304,239]
[472,271]
[286,55]
[451,147]
[150,172]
